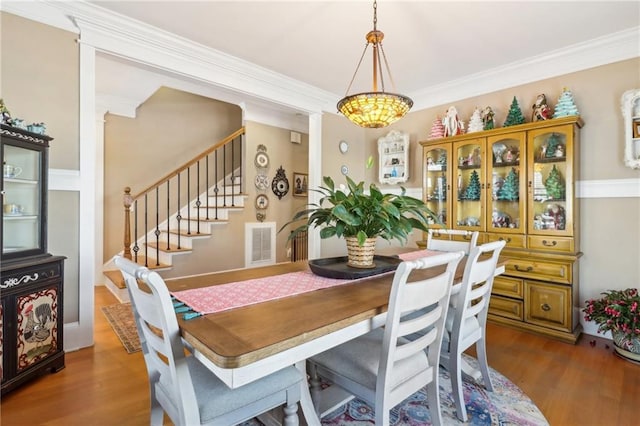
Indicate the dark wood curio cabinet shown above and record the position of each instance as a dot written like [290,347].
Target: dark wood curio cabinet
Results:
[31,280]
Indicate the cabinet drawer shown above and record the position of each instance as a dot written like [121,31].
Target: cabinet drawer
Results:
[562,244]
[513,240]
[510,287]
[505,307]
[559,272]
[548,305]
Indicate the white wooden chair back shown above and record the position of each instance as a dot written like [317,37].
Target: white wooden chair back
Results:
[467,318]
[409,297]
[451,244]
[161,343]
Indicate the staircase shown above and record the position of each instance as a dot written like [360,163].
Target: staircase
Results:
[160,233]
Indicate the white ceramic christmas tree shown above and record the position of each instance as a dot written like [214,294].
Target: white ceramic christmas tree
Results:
[566,106]
[437,129]
[475,122]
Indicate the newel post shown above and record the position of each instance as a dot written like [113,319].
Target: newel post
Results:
[128,200]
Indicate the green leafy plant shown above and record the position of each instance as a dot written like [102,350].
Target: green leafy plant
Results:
[616,311]
[354,213]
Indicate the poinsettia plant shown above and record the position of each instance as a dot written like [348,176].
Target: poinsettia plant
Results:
[616,311]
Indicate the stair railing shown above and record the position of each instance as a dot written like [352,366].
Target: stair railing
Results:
[169,200]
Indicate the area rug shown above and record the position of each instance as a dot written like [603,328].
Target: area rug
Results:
[120,318]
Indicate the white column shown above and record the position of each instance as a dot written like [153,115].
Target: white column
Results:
[315,176]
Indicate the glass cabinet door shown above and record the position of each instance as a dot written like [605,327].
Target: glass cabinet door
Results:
[550,198]
[437,186]
[506,183]
[468,185]
[22,199]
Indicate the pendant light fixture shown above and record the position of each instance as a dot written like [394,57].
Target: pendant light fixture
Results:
[376,108]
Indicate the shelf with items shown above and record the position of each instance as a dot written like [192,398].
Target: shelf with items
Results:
[393,157]
[630,106]
[516,184]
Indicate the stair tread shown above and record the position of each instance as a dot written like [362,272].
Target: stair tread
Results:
[183,232]
[118,280]
[162,246]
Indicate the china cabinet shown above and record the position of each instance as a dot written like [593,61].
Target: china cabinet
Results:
[517,184]
[393,154]
[31,283]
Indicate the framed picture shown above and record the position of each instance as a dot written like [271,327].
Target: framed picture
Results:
[300,183]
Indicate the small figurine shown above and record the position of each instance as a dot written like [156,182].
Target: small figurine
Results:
[511,155]
[487,118]
[5,115]
[541,110]
[559,151]
[452,124]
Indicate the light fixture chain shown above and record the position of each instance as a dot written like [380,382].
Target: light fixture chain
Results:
[375,14]
[357,68]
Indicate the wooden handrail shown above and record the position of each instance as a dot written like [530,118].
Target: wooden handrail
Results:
[165,178]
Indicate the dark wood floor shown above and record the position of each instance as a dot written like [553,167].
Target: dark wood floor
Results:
[103,385]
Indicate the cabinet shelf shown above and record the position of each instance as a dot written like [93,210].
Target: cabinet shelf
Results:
[393,157]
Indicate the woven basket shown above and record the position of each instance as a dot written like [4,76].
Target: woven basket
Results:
[360,256]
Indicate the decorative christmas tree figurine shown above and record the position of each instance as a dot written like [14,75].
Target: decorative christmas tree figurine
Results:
[475,122]
[437,129]
[487,118]
[473,189]
[514,117]
[553,143]
[555,184]
[566,106]
[509,189]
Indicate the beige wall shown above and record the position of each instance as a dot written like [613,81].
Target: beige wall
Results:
[39,75]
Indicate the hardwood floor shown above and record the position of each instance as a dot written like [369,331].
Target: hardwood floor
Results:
[103,385]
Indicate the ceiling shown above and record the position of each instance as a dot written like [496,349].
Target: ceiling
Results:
[427,43]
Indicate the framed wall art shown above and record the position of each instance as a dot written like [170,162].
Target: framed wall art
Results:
[300,183]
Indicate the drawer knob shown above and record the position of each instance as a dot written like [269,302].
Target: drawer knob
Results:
[549,244]
[508,239]
[527,269]
[545,307]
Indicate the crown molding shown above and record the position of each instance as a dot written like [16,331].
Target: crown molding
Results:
[604,50]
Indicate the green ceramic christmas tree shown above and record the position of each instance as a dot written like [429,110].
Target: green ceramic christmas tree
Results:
[510,187]
[473,189]
[552,145]
[555,184]
[514,117]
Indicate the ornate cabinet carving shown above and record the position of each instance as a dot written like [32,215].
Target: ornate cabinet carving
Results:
[31,280]
[517,184]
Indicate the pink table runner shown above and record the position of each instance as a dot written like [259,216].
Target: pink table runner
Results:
[218,298]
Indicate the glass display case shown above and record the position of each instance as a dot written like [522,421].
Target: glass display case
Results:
[31,280]
[468,188]
[437,180]
[23,193]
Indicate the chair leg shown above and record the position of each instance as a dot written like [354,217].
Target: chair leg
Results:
[481,351]
[433,398]
[157,413]
[382,415]
[314,386]
[456,385]
[291,414]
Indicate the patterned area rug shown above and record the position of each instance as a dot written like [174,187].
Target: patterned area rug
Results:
[120,318]
[506,405]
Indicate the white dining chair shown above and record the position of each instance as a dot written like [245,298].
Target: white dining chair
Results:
[466,321]
[470,239]
[179,384]
[382,367]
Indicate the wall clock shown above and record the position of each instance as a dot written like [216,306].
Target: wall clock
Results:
[280,183]
[262,181]
[262,160]
[262,202]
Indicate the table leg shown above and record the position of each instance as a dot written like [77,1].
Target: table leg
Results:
[306,403]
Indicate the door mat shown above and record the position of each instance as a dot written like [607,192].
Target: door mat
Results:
[120,317]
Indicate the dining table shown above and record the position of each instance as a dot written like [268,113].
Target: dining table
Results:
[245,343]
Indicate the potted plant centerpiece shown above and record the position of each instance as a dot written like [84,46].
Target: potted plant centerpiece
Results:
[362,217]
[618,311]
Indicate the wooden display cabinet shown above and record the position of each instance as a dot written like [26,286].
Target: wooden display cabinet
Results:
[517,184]
[31,280]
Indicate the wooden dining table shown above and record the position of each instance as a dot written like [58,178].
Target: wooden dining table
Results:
[246,343]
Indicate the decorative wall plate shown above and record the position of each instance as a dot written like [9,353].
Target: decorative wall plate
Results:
[262,202]
[262,182]
[344,170]
[280,183]
[343,146]
[262,160]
